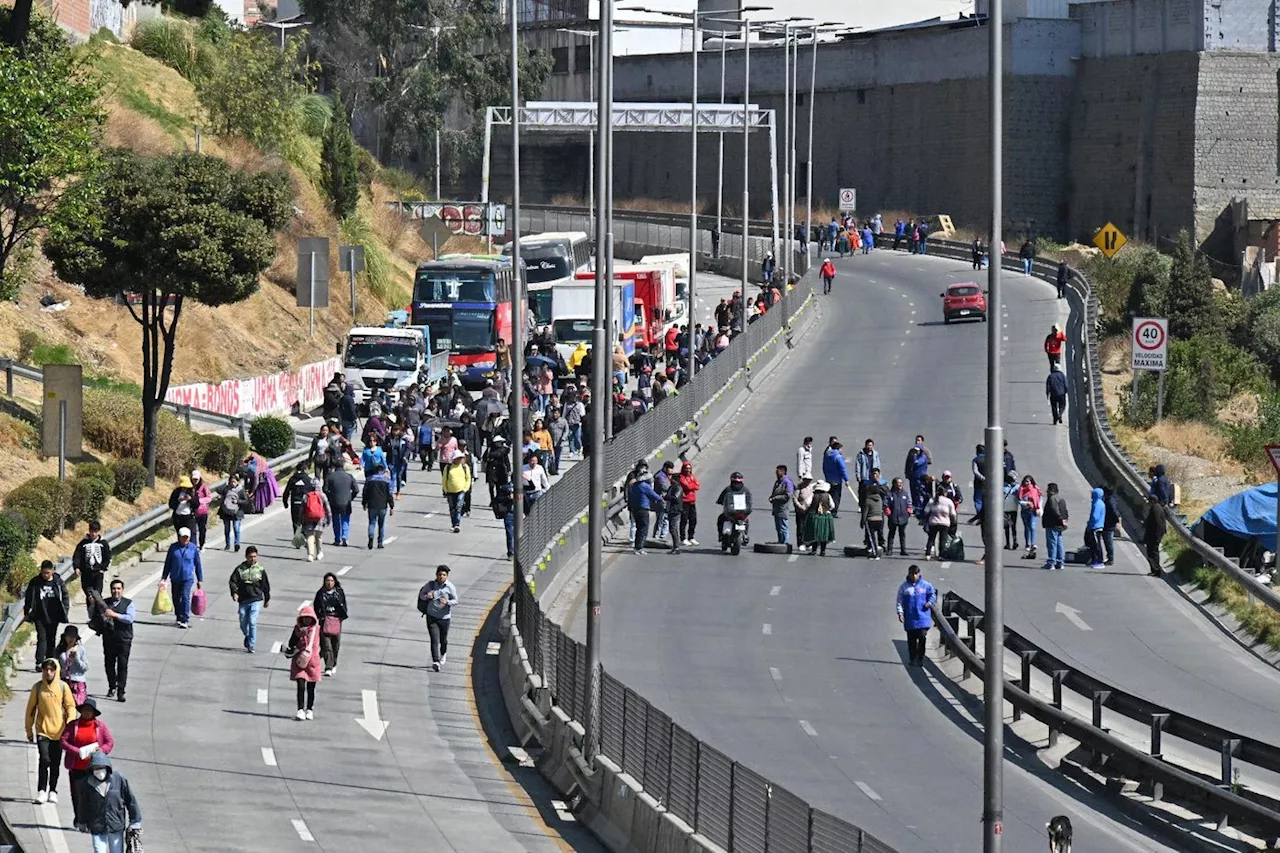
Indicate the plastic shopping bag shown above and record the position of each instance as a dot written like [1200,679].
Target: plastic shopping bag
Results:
[199,602]
[163,603]
[299,539]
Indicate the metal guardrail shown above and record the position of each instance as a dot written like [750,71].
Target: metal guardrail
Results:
[1112,756]
[1117,464]
[137,529]
[12,368]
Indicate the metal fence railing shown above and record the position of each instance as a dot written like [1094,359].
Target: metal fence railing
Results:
[722,799]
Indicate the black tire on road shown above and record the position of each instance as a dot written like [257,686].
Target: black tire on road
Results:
[771,548]
[855,551]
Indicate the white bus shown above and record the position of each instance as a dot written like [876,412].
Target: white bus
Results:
[550,259]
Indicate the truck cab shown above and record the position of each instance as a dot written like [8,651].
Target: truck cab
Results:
[384,359]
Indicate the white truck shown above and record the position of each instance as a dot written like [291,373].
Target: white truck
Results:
[573,308]
[390,359]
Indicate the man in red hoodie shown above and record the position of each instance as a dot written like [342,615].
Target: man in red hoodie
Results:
[1053,345]
[828,273]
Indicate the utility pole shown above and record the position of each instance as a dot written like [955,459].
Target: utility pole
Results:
[693,200]
[518,307]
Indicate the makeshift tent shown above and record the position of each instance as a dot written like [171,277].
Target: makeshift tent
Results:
[1249,516]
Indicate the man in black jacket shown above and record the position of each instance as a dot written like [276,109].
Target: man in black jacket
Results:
[1064,273]
[341,489]
[118,614]
[380,502]
[1153,528]
[91,559]
[46,605]
[332,397]
[1055,388]
[251,590]
[295,493]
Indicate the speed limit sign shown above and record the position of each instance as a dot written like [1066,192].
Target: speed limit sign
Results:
[1150,343]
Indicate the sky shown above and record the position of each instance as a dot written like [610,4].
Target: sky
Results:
[860,13]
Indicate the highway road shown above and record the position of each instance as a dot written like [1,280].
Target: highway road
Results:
[794,665]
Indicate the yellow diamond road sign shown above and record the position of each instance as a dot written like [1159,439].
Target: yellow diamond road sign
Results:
[1110,240]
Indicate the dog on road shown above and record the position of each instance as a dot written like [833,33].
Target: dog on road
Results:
[1059,829]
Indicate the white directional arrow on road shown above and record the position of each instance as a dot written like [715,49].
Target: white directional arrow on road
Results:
[1073,615]
[371,722]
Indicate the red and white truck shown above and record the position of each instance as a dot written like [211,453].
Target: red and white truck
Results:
[657,308]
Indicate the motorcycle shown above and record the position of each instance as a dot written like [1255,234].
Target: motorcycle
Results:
[733,531]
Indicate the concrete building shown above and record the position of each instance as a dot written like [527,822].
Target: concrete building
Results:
[1152,114]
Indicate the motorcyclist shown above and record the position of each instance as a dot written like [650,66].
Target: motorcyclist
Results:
[726,502]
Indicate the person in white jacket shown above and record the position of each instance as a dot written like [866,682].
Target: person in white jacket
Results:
[804,459]
[939,518]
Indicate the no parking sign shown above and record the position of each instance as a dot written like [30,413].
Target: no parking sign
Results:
[1150,343]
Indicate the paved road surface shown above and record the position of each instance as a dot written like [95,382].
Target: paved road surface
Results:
[794,665]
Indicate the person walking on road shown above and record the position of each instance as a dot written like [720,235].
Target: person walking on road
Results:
[662,482]
[780,501]
[1055,390]
[1093,530]
[303,651]
[379,502]
[436,601]
[872,507]
[331,606]
[81,740]
[295,491]
[118,614]
[203,498]
[804,459]
[251,590]
[74,662]
[1064,275]
[316,516]
[867,460]
[1053,345]
[456,482]
[674,499]
[641,499]
[978,467]
[503,505]
[1028,255]
[183,569]
[341,489]
[1055,524]
[689,486]
[1030,506]
[803,502]
[975,253]
[897,505]
[46,605]
[182,504]
[231,511]
[916,598]
[111,814]
[92,559]
[940,520]
[50,709]
[373,456]
[828,273]
[1153,530]
[1009,495]
[835,472]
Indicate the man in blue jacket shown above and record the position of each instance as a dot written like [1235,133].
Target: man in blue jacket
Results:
[1093,535]
[641,498]
[918,461]
[183,570]
[835,472]
[915,598]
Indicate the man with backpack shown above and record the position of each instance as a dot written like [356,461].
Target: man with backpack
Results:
[435,602]
[316,516]
[300,483]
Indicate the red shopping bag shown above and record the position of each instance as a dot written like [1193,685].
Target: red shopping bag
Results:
[198,602]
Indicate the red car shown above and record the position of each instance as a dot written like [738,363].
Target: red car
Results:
[964,301]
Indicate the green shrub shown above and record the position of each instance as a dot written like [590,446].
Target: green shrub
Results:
[30,536]
[24,569]
[13,543]
[88,497]
[175,446]
[1204,373]
[97,471]
[271,436]
[104,34]
[113,423]
[368,166]
[219,454]
[131,479]
[174,43]
[314,114]
[45,502]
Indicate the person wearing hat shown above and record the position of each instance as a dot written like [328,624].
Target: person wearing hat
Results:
[182,568]
[828,273]
[203,498]
[455,481]
[835,471]
[1153,530]
[182,503]
[82,738]
[46,605]
[819,520]
[916,598]
[1053,345]
[50,707]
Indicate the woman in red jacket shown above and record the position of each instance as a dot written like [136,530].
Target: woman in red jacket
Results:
[305,663]
[80,740]
[689,520]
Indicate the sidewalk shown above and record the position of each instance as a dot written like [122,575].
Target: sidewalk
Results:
[209,742]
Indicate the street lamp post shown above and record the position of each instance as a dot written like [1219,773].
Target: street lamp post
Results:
[693,198]
[518,307]
[591,137]
[993,632]
[720,144]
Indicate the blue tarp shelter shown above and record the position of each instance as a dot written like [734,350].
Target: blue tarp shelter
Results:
[1249,515]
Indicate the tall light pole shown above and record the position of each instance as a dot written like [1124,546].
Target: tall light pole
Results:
[591,137]
[813,85]
[720,145]
[993,632]
[518,308]
[601,369]
[746,170]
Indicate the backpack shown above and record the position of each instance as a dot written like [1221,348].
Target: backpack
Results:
[424,603]
[313,507]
